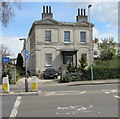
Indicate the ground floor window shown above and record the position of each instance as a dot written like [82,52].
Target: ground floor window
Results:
[48,57]
[67,59]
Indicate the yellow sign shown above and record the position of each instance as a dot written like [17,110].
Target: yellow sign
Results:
[34,86]
[5,87]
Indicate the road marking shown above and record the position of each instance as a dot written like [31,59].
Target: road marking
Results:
[107,92]
[83,92]
[110,91]
[74,109]
[15,108]
[116,96]
[49,93]
[65,93]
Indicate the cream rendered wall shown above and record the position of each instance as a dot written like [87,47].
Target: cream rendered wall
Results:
[40,34]
[77,34]
[62,29]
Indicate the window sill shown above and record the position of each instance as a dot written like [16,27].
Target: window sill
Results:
[48,65]
[83,42]
[66,42]
[47,42]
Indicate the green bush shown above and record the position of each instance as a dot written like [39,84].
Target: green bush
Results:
[70,78]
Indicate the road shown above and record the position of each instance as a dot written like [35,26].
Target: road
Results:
[65,101]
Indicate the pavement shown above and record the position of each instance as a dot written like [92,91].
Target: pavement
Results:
[52,82]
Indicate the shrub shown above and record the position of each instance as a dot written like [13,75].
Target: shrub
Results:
[103,72]
[71,77]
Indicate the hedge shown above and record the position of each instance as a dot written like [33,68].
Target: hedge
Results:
[103,72]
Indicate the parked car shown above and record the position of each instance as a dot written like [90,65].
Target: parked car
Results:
[50,73]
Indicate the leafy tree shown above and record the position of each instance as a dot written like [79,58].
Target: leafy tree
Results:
[7,10]
[107,49]
[19,63]
[83,65]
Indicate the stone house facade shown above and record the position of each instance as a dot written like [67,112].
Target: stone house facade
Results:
[53,44]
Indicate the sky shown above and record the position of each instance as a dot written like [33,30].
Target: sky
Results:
[104,15]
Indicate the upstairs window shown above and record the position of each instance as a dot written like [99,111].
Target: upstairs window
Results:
[47,36]
[48,57]
[83,37]
[67,36]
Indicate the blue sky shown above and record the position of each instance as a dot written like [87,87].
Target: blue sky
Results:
[104,15]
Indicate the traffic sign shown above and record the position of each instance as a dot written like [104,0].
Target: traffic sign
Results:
[5,60]
[26,54]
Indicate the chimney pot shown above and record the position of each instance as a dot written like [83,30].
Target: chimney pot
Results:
[78,12]
[84,13]
[81,12]
[46,9]
[49,9]
[43,9]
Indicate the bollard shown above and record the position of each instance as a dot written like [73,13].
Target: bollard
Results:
[5,85]
[34,83]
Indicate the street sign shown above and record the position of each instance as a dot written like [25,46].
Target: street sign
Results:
[5,60]
[26,54]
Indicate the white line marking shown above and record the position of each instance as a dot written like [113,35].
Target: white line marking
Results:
[107,92]
[49,93]
[65,93]
[116,96]
[83,92]
[16,105]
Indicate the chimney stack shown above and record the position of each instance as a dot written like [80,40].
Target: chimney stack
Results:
[82,15]
[47,13]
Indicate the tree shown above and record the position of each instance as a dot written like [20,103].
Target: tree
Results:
[83,65]
[19,63]
[7,11]
[4,51]
[107,49]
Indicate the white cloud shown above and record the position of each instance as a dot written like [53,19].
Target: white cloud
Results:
[13,44]
[105,12]
[98,34]
[108,26]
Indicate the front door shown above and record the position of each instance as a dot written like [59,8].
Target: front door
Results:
[67,59]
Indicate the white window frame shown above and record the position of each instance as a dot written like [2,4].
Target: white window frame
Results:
[82,37]
[66,37]
[47,35]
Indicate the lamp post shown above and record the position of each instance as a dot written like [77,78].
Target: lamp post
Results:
[89,6]
[26,76]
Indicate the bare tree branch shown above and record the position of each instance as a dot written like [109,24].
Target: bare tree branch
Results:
[4,51]
[7,11]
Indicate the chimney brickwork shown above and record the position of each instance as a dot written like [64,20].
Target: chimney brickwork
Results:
[81,15]
[47,12]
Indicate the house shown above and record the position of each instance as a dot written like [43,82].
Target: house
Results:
[53,43]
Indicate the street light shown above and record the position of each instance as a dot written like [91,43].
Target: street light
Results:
[89,6]
[26,81]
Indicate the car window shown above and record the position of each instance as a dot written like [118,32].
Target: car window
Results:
[50,70]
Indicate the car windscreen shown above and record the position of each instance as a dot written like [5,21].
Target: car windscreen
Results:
[50,70]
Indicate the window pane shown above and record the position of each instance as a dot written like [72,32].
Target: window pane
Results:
[83,36]
[66,36]
[48,58]
[48,36]
[67,59]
